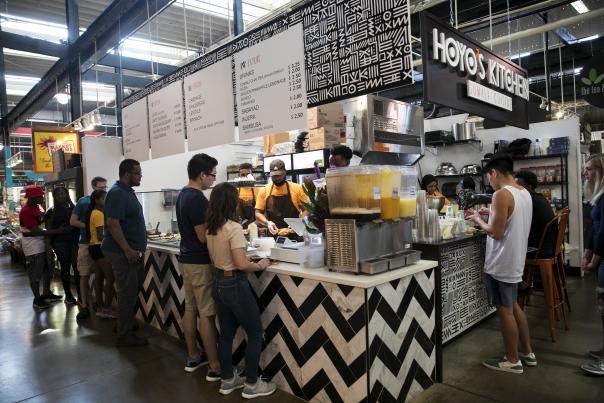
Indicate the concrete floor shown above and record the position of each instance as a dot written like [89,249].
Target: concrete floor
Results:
[557,378]
[47,357]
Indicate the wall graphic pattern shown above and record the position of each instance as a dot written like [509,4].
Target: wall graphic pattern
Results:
[352,47]
[464,298]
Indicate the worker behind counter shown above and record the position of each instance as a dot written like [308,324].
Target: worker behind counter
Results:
[279,200]
[247,196]
[430,185]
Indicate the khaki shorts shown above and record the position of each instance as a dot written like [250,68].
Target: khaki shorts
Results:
[198,281]
[85,262]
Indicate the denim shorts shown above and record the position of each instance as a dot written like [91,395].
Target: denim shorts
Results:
[500,293]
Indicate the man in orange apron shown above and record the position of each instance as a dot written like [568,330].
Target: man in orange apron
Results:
[247,197]
[279,200]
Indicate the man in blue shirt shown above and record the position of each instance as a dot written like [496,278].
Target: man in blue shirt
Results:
[196,266]
[85,264]
[124,246]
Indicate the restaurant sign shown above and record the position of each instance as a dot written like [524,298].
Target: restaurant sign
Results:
[459,72]
[46,142]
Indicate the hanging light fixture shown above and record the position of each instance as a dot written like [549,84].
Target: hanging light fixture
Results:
[62,97]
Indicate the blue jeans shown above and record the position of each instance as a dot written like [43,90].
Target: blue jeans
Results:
[236,306]
[600,293]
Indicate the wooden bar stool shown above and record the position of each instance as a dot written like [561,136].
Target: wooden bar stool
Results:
[551,271]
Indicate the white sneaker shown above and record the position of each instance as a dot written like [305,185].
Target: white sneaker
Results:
[594,367]
[530,360]
[226,388]
[261,388]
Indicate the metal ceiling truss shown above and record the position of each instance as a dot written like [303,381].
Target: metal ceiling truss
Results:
[120,19]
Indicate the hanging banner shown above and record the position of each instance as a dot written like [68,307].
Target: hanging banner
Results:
[351,48]
[271,86]
[135,131]
[592,81]
[462,74]
[45,141]
[167,121]
[209,106]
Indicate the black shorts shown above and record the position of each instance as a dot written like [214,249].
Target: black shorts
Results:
[95,252]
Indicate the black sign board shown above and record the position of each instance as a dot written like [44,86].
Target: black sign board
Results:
[461,73]
[592,81]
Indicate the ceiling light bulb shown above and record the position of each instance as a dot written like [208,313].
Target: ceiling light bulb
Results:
[559,115]
[62,98]
[580,6]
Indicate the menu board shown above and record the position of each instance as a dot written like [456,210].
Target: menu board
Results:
[166,121]
[209,106]
[271,85]
[135,130]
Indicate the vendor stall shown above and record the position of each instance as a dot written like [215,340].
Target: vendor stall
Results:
[328,336]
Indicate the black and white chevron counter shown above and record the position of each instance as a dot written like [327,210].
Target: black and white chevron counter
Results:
[329,337]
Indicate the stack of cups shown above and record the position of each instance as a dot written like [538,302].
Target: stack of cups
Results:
[433,225]
[422,216]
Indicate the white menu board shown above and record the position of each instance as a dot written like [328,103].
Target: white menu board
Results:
[166,121]
[209,106]
[271,85]
[135,130]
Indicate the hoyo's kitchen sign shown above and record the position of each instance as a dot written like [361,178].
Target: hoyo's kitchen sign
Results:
[46,141]
[460,73]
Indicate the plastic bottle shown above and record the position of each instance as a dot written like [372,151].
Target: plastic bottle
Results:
[253,231]
[537,149]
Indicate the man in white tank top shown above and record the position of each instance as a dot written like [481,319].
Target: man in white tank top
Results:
[508,230]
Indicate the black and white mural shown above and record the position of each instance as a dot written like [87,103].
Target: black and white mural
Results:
[464,299]
[351,47]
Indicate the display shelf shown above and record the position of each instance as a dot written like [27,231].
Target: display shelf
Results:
[555,183]
[441,143]
[457,175]
[541,157]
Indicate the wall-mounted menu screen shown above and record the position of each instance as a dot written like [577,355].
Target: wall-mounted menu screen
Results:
[209,106]
[166,121]
[271,85]
[135,130]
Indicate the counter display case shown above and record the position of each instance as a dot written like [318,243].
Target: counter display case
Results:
[159,210]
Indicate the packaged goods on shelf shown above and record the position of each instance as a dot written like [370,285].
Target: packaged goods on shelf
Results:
[324,137]
[326,115]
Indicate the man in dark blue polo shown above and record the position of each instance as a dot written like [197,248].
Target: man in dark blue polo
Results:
[124,245]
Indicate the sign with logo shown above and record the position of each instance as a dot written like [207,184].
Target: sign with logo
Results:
[460,73]
[45,142]
[592,82]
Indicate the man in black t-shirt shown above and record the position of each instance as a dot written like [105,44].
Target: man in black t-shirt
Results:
[542,214]
[196,266]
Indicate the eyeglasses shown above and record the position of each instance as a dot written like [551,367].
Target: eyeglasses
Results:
[212,175]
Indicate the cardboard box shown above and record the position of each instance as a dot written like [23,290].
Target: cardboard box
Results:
[325,137]
[326,115]
[272,139]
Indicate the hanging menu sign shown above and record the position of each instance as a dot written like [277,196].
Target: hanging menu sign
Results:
[271,85]
[209,106]
[166,121]
[461,73]
[135,131]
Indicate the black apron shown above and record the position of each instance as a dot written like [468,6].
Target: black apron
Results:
[245,210]
[280,207]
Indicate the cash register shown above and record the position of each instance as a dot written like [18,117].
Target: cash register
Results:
[287,250]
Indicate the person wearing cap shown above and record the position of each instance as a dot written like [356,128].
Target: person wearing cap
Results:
[430,185]
[340,156]
[247,196]
[279,200]
[37,254]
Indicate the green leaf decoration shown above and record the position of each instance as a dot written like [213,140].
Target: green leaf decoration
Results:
[593,74]
[586,81]
[599,79]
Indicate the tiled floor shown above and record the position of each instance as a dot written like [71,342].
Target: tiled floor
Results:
[47,357]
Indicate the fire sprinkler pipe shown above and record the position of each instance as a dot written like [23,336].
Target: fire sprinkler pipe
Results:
[539,30]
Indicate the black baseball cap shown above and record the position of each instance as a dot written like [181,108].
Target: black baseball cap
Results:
[277,168]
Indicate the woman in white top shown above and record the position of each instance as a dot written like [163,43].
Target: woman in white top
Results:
[234,300]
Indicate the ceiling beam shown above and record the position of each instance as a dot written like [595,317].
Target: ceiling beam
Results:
[119,20]
[130,63]
[108,78]
[31,45]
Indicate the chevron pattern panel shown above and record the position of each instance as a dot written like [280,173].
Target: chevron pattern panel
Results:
[315,337]
[402,353]
[161,302]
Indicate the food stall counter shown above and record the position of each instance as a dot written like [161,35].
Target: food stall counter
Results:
[329,336]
